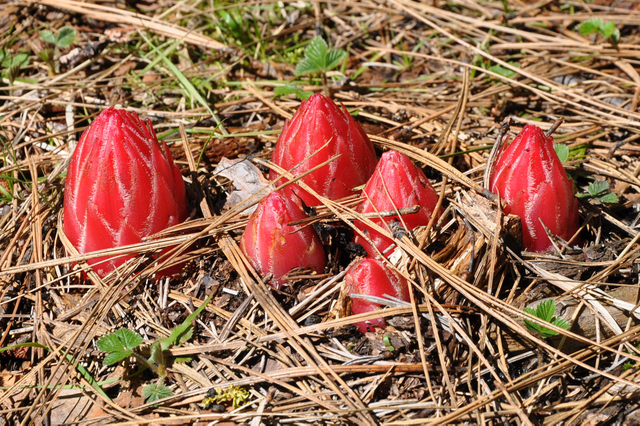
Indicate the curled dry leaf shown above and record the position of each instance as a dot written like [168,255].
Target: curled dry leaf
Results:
[246,178]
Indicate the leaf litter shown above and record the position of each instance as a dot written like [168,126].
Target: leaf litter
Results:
[434,81]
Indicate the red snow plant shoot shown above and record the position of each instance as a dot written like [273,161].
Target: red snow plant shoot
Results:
[529,176]
[396,183]
[121,186]
[318,131]
[273,246]
[371,277]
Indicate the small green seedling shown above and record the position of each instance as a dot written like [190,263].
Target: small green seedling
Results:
[11,64]
[121,345]
[65,37]
[62,40]
[319,58]
[599,189]
[156,391]
[387,343]
[546,312]
[505,72]
[597,26]
[234,24]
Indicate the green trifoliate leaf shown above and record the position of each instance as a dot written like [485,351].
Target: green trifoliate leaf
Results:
[117,356]
[591,26]
[609,198]
[305,66]
[119,345]
[546,310]
[334,57]
[316,52]
[156,391]
[130,339]
[562,151]
[597,187]
[561,323]
[318,58]
[531,325]
[608,29]
[65,38]
[48,36]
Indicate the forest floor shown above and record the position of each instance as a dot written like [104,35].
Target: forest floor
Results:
[435,80]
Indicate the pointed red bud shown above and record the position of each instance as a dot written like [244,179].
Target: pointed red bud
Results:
[274,247]
[396,183]
[121,186]
[529,176]
[371,277]
[317,122]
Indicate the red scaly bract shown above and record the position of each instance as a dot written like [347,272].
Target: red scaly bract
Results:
[396,183]
[274,247]
[121,186]
[372,277]
[318,121]
[529,176]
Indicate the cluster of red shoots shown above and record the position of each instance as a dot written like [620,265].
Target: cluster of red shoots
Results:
[122,186]
[326,141]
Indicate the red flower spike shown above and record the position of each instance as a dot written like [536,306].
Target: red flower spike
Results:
[372,277]
[121,186]
[317,122]
[396,183]
[529,176]
[274,247]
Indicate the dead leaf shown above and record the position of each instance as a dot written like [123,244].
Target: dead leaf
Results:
[247,180]
[131,398]
[70,406]
[150,77]
[8,378]
[125,68]
[120,34]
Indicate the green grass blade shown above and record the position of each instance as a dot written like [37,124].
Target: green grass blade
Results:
[184,81]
